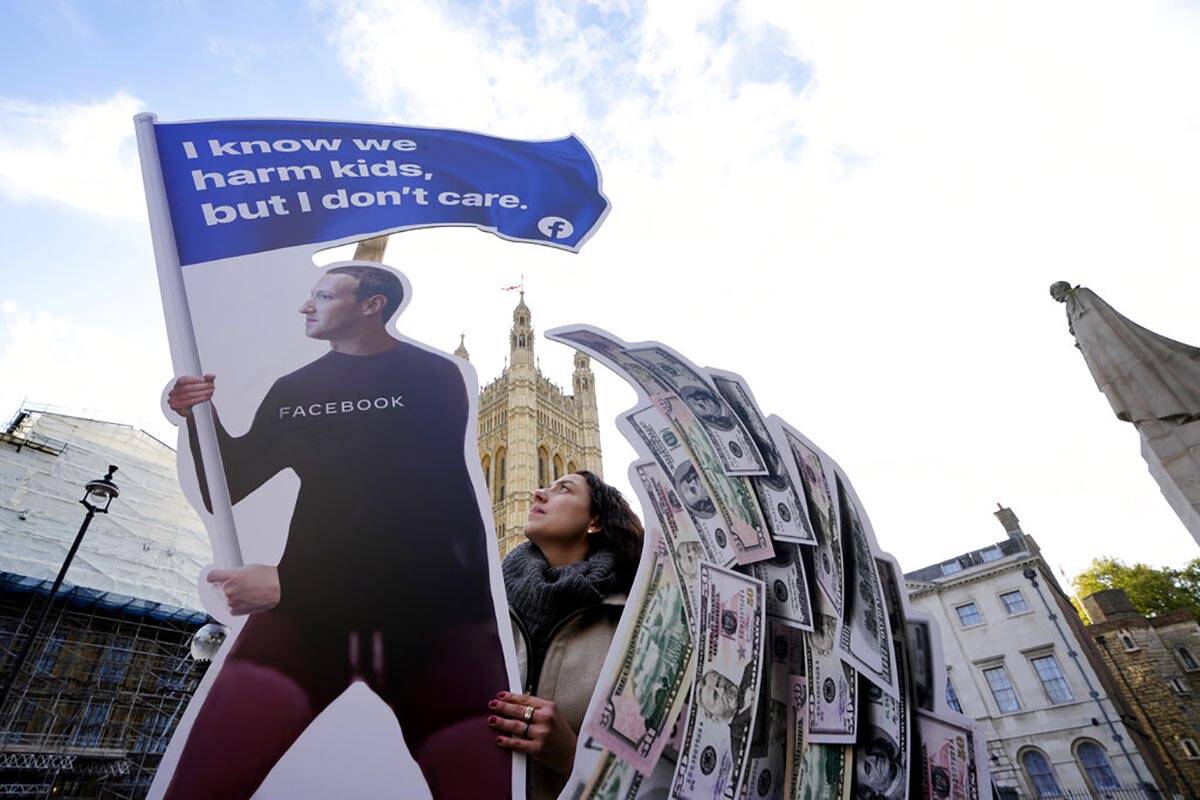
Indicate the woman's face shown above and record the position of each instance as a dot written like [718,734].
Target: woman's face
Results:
[561,511]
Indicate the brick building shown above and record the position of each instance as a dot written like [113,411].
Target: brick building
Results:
[531,432]
[1155,662]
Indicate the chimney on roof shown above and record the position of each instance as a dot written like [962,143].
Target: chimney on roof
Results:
[1012,525]
[1107,604]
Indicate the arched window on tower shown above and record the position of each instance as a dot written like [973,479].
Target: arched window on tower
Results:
[543,467]
[501,477]
[572,468]
[486,463]
[558,466]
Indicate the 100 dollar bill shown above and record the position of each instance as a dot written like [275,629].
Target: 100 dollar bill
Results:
[827,558]
[832,687]
[947,759]
[787,585]
[658,372]
[663,443]
[714,755]
[734,447]
[782,503]
[767,774]
[866,636]
[814,771]
[882,746]
[683,541]
[732,495]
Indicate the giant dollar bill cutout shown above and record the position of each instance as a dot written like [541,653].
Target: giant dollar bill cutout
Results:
[739,505]
[341,451]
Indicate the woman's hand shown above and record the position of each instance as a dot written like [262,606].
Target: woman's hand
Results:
[542,733]
[248,589]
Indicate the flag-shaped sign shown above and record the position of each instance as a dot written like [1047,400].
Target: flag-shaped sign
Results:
[243,186]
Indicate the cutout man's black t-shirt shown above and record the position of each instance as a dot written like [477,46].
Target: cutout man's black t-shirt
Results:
[386,521]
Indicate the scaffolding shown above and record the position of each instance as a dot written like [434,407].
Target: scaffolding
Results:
[94,707]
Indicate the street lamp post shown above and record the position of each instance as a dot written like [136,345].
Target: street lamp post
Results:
[99,495]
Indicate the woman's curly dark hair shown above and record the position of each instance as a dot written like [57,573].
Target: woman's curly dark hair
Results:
[620,529]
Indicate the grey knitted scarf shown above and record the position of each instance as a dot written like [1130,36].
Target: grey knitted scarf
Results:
[542,595]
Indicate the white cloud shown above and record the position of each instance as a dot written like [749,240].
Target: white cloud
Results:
[871,248]
[83,369]
[81,155]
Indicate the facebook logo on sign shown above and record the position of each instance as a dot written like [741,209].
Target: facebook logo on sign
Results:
[555,227]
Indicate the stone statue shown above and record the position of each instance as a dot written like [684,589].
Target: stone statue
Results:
[1150,381]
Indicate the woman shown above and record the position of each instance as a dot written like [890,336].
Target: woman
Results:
[566,589]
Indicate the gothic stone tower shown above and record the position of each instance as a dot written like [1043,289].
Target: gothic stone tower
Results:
[530,432]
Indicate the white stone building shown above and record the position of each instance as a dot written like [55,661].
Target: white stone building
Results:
[1020,664]
[151,545]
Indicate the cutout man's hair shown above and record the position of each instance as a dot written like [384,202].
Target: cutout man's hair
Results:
[373,281]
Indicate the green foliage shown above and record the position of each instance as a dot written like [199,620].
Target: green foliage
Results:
[1152,590]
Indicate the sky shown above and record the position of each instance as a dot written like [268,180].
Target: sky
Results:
[859,207]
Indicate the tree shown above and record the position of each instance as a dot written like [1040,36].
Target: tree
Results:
[1151,590]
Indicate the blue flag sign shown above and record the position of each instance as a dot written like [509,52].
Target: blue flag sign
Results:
[243,186]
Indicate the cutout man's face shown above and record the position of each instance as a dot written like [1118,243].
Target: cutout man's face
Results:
[331,309]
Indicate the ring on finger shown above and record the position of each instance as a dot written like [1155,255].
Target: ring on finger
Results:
[525,733]
[528,714]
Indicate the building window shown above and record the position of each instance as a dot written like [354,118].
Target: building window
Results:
[1096,766]
[1127,641]
[1179,686]
[968,615]
[991,554]
[1002,689]
[92,726]
[1040,774]
[1185,657]
[543,468]
[952,696]
[152,733]
[1051,676]
[1190,749]
[116,660]
[951,567]
[50,653]
[501,475]
[1014,602]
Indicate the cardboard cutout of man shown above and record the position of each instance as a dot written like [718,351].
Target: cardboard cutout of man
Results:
[384,576]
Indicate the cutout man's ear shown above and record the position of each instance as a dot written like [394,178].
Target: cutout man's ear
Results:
[375,303]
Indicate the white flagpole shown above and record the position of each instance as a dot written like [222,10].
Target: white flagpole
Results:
[184,353]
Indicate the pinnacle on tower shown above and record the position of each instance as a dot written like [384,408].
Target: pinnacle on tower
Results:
[461,350]
[521,336]
[583,379]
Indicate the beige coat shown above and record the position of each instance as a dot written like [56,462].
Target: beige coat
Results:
[568,675]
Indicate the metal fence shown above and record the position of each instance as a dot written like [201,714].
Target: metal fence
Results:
[1123,793]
